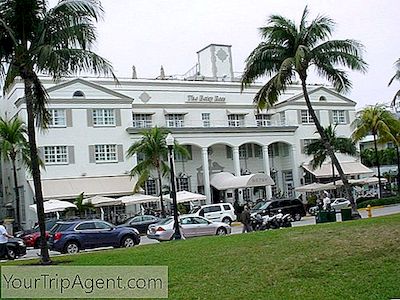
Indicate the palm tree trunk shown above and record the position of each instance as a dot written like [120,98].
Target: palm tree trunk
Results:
[329,149]
[161,195]
[378,166]
[333,176]
[17,208]
[45,258]
[398,170]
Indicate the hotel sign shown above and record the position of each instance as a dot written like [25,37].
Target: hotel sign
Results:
[205,99]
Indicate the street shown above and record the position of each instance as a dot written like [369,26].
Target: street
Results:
[388,210]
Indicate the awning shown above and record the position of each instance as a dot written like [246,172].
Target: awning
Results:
[138,199]
[70,188]
[54,206]
[175,112]
[225,180]
[236,112]
[99,201]
[350,168]
[312,187]
[142,112]
[185,196]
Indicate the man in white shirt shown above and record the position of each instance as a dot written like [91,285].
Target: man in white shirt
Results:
[3,240]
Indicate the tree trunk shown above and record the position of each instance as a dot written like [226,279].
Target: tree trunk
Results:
[329,149]
[17,208]
[334,181]
[45,258]
[161,195]
[398,170]
[378,165]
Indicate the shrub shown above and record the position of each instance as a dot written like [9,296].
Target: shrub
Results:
[377,202]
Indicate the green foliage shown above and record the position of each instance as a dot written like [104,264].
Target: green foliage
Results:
[396,76]
[386,156]
[81,206]
[183,209]
[312,200]
[378,202]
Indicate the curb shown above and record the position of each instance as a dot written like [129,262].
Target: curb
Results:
[378,206]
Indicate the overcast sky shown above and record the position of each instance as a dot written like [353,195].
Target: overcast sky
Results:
[151,33]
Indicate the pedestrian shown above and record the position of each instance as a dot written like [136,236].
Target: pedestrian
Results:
[3,240]
[245,219]
[327,201]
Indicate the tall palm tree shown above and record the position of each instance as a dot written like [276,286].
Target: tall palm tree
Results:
[13,142]
[375,120]
[36,39]
[339,144]
[290,50]
[396,76]
[153,148]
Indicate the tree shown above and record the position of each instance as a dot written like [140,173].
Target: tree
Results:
[35,39]
[13,142]
[290,50]
[82,207]
[396,76]
[339,144]
[153,149]
[375,120]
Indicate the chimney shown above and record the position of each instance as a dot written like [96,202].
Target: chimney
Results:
[134,76]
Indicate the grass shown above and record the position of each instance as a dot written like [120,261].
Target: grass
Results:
[349,260]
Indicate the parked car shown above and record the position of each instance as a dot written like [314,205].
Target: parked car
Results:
[141,223]
[294,207]
[31,237]
[220,212]
[72,236]
[336,204]
[15,248]
[191,226]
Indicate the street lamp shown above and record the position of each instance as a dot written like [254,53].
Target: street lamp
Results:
[170,143]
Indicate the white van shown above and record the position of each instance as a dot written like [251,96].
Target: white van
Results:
[220,212]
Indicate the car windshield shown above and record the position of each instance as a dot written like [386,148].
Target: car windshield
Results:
[261,205]
[194,210]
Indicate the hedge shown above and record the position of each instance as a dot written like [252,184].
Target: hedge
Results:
[377,202]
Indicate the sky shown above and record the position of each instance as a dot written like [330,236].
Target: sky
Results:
[152,33]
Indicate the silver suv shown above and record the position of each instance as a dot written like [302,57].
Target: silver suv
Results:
[220,212]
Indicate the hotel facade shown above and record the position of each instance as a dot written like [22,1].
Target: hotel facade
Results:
[95,120]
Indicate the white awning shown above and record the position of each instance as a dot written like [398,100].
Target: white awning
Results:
[236,112]
[225,180]
[99,201]
[175,112]
[312,187]
[54,206]
[142,112]
[138,199]
[185,196]
[350,168]
[70,188]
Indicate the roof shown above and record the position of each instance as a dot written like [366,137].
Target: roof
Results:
[349,168]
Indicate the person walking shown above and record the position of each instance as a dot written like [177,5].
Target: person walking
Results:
[245,219]
[3,240]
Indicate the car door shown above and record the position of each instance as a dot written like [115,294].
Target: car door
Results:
[147,220]
[189,226]
[137,222]
[214,213]
[106,235]
[204,227]
[86,233]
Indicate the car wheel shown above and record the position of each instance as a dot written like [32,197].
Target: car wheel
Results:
[127,242]
[297,217]
[227,220]
[71,248]
[11,253]
[221,231]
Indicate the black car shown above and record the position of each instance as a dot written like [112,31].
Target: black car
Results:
[288,206]
[141,223]
[15,248]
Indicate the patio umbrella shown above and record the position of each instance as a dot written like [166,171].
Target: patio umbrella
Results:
[99,201]
[312,187]
[54,206]
[185,196]
[138,199]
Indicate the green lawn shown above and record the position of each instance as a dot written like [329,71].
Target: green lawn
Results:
[351,260]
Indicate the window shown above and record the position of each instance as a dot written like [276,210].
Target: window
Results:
[227,207]
[282,118]
[390,145]
[57,118]
[55,155]
[263,120]
[322,98]
[236,120]
[205,117]
[150,187]
[103,153]
[212,209]
[273,150]
[285,150]
[306,117]
[246,151]
[141,120]
[179,156]
[229,153]
[78,94]
[175,120]
[102,225]
[183,183]
[258,151]
[338,117]
[103,117]
[306,142]
[86,226]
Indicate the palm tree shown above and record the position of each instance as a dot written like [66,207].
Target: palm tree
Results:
[153,148]
[289,50]
[375,120]
[82,207]
[339,144]
[396,76]
[13,142]
[35,39]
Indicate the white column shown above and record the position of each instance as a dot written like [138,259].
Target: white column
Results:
[268,189]
[236,160]
[295,170]
[206,175]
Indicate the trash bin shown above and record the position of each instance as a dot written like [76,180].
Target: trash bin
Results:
[332,215]
[346,214]
[325,216]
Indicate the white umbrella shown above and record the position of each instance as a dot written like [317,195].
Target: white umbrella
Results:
[312,187]
[54,206]
[138,199]
[185,196]
[99,201]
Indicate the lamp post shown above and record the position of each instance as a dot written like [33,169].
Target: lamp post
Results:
[170,143]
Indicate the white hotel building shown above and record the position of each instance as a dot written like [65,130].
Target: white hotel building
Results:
[94,121]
